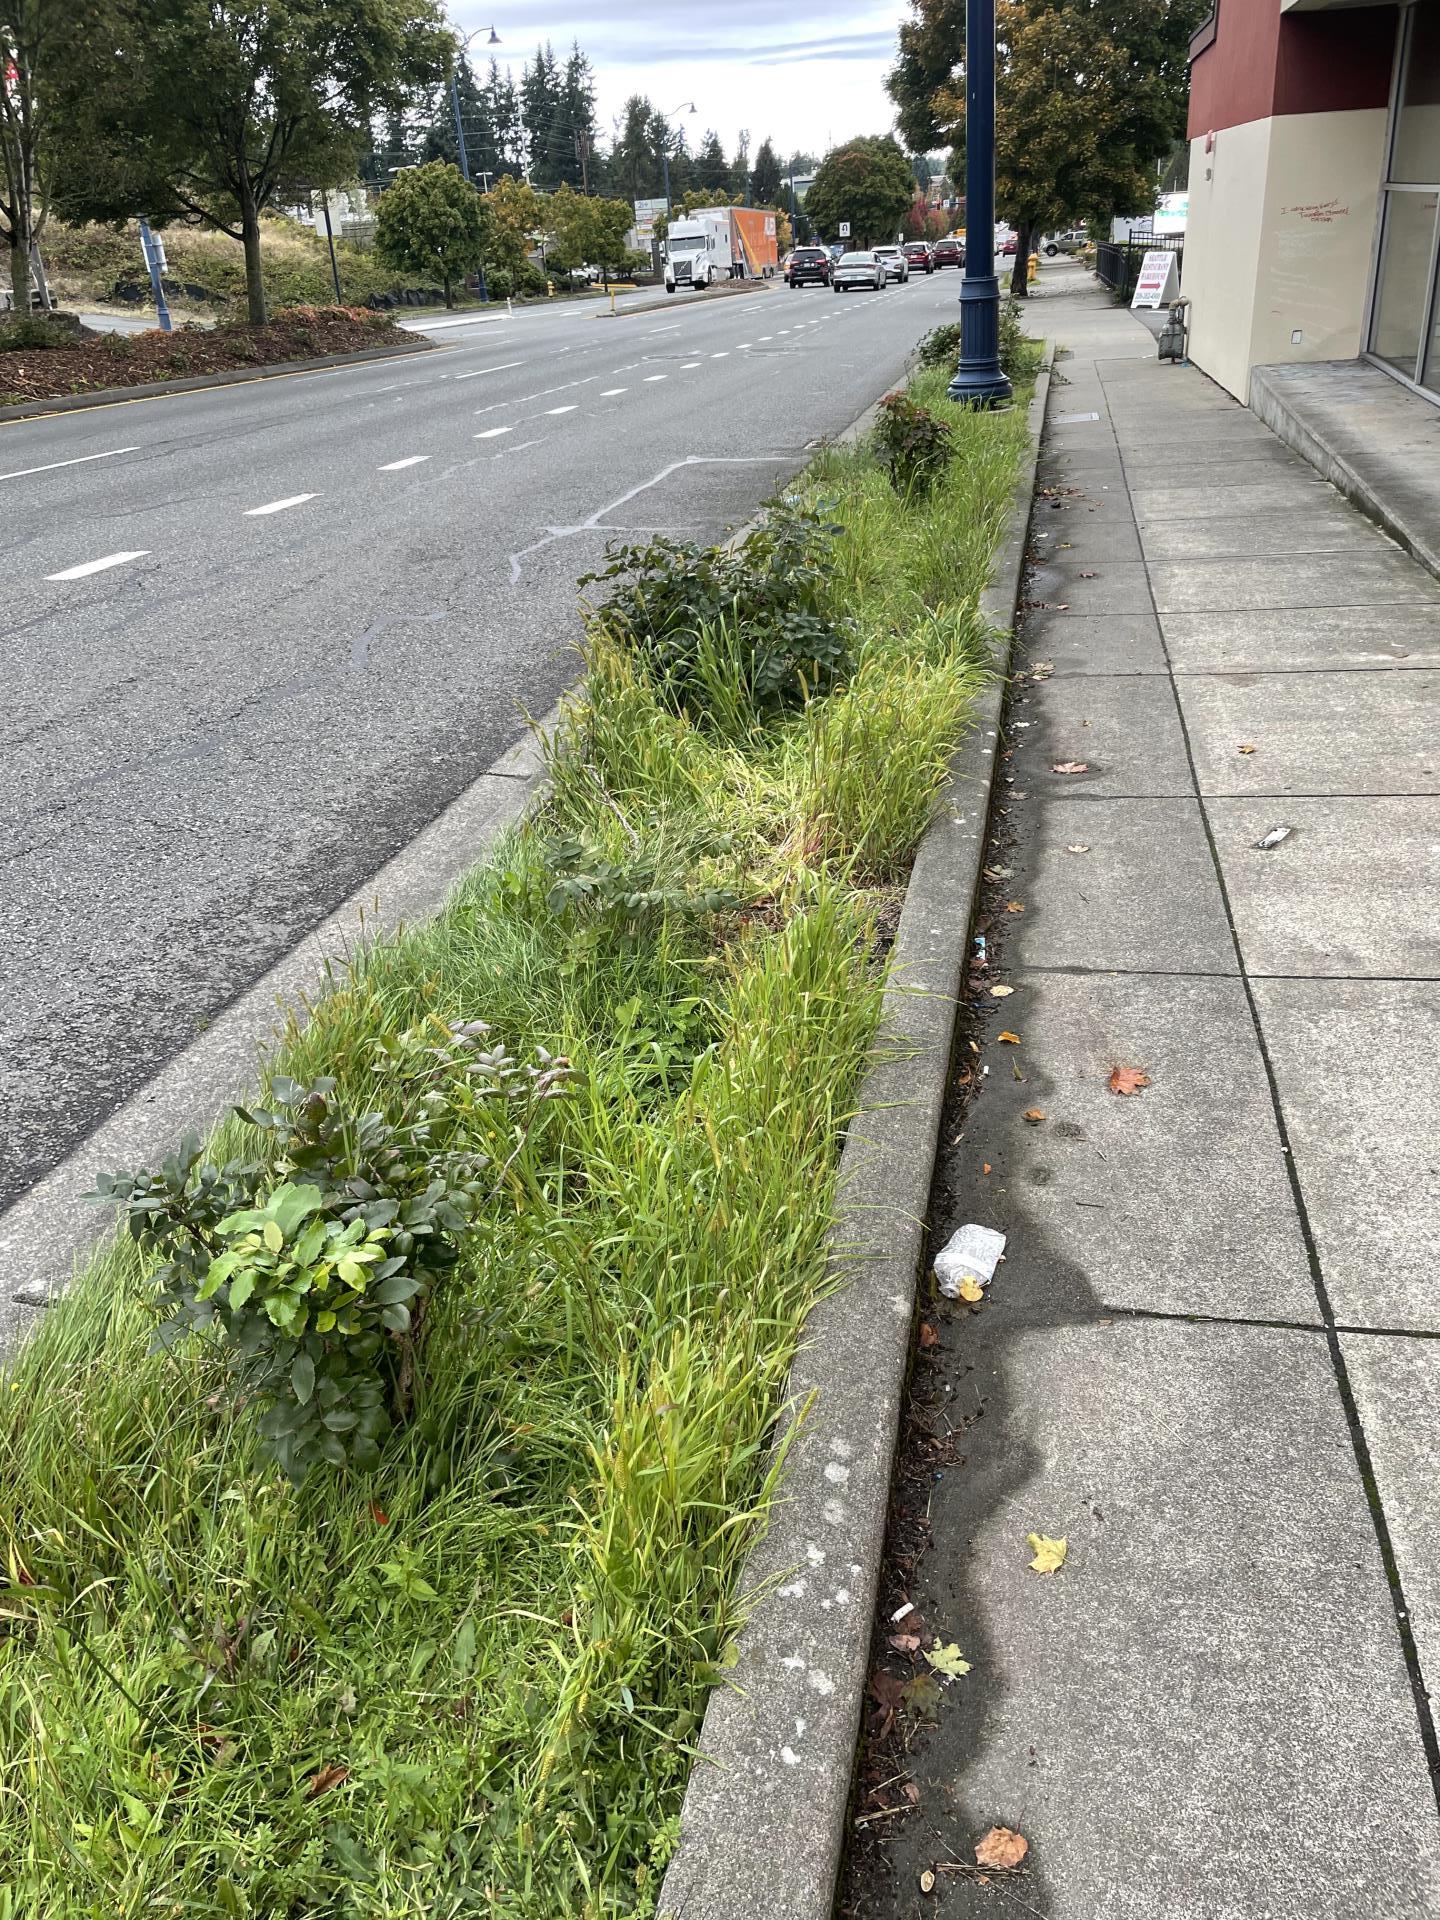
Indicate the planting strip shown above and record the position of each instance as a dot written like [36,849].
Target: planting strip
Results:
[194,382]
[762,1830]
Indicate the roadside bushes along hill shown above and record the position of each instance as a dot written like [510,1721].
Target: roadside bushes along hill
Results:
[458,1665]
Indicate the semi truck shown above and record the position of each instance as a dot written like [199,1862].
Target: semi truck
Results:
[719,243]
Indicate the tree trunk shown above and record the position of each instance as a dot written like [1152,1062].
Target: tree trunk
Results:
[1020,278]
[20,274]
[254,279]
[449,297]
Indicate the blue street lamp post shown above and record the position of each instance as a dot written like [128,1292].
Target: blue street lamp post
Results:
[979,379]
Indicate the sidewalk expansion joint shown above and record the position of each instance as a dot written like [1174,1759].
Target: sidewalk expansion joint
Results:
[1321,1327]
[1358,1438]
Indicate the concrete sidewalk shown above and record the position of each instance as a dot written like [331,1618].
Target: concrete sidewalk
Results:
[1210,1360]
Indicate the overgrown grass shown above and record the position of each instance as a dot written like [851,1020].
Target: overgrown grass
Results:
[470,1683]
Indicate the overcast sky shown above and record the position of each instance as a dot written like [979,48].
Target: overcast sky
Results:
[808,73]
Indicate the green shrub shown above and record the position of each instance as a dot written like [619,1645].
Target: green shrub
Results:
[1017,349]
[317,1264]
[731,635]
[913,445]
[26,332]
[941,346]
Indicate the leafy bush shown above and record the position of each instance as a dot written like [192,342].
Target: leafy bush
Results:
[913,445]
[317,1265]
[626,899]
[941,346]
[26,332]
[732,635]
[1016,346]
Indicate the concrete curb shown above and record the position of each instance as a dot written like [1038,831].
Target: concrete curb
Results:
[50,1228]
[196,383]
[727,290]
[762,1830]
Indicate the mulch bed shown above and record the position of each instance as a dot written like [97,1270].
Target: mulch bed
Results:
[102,360]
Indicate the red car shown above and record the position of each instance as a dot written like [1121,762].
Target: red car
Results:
[917,252]
[948,253]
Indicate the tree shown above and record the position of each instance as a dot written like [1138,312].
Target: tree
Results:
[577,104]
[712,170]
[801,164]
[36,38]
[635,163]
[439,142]
[208,110]
[1089,94]
[766,183]
[587,231]
[432,221]
[540,105]
[867,182]
[517,217]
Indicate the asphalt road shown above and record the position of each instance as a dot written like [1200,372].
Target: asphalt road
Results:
[256,637]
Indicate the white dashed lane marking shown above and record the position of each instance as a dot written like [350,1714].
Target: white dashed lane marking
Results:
[98,566]
[609,393]
[503,367]
[688,366]
[655,376]
[24,473]
[569,409]
[278,506]
[395,466]
[493,433]
[724,354]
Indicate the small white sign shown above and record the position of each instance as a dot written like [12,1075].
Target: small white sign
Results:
[1159,281]
[844,229]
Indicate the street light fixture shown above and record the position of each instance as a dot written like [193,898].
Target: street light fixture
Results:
[665,152]
[979,380]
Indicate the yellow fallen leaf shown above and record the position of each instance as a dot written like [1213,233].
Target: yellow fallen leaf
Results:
[1247,748]
[971,1290]
[1049,1554]
[1014,906]
[1034,1115]
[947,1660]
[1001,993]
[1010,1039]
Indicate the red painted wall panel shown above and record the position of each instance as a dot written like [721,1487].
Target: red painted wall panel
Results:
[1263,61]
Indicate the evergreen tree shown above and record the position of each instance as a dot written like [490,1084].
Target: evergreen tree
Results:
[739,179]
[502,107]
[767,189]
[635,168]
[712,170]
[540,108]
[577,95]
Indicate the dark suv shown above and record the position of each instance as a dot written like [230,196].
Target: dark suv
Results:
[948,253]
[917,252]
[808,263]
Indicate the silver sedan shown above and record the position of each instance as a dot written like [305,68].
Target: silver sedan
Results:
[858,270]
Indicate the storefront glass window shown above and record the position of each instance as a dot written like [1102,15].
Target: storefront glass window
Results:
[1417,122]
[1404,279]
[1405,318]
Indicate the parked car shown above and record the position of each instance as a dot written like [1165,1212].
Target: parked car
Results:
[1005,238]
[807,263]
[859,270]
[1075,240]
[918,253]
[948,253]
[897,267]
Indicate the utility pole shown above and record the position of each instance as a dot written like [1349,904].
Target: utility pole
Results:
[979,379]
[155,263]
[330,240]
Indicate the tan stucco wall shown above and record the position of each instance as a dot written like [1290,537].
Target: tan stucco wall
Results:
[1280,239]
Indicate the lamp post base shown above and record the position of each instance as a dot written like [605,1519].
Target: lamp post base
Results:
[979,380]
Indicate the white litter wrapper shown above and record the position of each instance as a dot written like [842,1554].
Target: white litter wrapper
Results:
[971,1253]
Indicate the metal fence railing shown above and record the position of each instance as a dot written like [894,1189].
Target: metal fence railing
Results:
[1117,262]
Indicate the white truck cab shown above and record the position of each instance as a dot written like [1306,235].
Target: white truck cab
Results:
[697,251]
